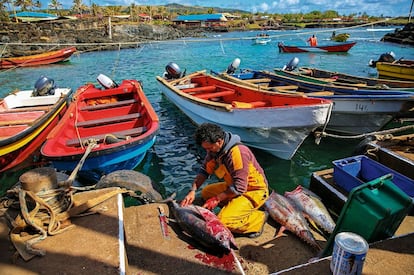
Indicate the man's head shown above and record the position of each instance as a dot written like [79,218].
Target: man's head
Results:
[210,136]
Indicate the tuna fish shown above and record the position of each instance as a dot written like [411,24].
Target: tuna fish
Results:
[131,180]
[283,211]
[312,207]
[204,226]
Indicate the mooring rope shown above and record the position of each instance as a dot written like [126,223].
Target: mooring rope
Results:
[43,216]
[384,132]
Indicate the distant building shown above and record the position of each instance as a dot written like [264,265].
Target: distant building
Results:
[144,17]
[216,21]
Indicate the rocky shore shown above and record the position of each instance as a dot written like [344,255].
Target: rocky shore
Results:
[401,36]
[87,34]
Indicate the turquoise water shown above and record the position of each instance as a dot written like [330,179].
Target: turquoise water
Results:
[174,159]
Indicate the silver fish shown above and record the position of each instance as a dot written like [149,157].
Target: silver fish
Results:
[204,226]
[312,207]
[283,211]
[131,180]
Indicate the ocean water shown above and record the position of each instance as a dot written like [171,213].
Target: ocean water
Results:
[174,160]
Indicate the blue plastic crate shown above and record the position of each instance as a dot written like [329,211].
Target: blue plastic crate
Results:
[354,171]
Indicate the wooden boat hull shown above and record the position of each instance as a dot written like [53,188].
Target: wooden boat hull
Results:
[37,59]
[386,152]
[337,47]
[356,81]
[278,129]
[396,70]
[396,152]
[25,122]
[352,113]
[121,120]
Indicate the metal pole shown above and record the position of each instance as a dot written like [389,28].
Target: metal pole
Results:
[411,9]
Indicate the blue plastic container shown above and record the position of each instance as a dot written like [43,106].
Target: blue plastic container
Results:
[354,171]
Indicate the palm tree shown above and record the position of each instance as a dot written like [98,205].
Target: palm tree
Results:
[149,10]
[78,6]
[56,5]
[24,4]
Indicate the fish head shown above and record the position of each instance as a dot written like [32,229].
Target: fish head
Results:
[222,234]
[226,241]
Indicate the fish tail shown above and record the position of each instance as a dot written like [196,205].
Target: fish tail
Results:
[169,199]
[308,237]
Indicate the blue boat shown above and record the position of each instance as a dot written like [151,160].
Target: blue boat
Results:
[110,128]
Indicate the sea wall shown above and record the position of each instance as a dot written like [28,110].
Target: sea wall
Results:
[87,34]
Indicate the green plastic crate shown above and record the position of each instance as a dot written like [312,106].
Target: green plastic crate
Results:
[373,210]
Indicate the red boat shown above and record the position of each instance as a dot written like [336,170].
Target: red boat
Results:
[37,59]
[118,118]
[26,118]
[337,47]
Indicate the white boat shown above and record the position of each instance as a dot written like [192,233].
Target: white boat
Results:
[354,112]
[276,123]
[262,41]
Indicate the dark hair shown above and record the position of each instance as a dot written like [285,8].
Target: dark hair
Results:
[208,132]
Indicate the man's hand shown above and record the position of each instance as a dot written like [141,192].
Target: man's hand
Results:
[211,203]
[188,199]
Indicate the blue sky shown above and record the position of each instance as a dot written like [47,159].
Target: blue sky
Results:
[391,8]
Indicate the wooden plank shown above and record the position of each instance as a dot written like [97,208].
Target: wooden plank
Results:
[8,119]
[258,80]
[27,109]
[287,87]
[100,138]
[109,105]
[204,89]
[107,120]
[321,93]
[217,94]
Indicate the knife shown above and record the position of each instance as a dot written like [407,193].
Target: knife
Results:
[163,222]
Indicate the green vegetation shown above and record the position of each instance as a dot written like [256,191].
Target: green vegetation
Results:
[165,13]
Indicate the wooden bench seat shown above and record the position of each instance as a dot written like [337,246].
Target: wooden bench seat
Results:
[204,89]
[109,105]
[216,94]
[258,80]
[287,87]
[100,138]
[107,120]
[27,109]
[249,105]
[8,119]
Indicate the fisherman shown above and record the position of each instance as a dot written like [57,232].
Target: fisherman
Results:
[313,41]
[244,189]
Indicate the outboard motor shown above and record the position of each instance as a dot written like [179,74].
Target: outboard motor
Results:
[44,86]
[106,82]
[293,63]
[231,69]
[172,71]
[385,57]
